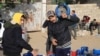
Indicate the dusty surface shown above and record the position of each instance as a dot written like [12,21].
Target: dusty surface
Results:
[38,41]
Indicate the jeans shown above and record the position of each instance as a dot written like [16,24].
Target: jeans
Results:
[63,51]
[73,32]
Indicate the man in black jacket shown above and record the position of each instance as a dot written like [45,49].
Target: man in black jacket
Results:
[49,45]
[59,33]
[93,26]
[12,41]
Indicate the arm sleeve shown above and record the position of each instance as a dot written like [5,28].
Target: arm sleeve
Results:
[45,24]
[71,21]
[48,45]
[20,41]
[50,34]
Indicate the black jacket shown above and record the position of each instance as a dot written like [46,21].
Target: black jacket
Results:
[95,24]
[48,42]
[60,31]
[12,41]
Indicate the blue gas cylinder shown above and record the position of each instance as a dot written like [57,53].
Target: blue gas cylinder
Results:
[79,52]
[58,11]
[84,48]
[28,54]
[96,51]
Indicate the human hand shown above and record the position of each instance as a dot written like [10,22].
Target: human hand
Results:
[54,42]
[49,53]
[35,52]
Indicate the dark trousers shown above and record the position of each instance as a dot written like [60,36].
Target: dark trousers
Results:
[99,29]
[63,52]
[12,55]
[92,29]
[54,49]
[49,46]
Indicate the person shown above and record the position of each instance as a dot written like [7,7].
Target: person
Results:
[98,27]
[59,33]
[12,41]
[29,23]
[73,28]
[49,45]
[73,13]
[93,26]
[84,23]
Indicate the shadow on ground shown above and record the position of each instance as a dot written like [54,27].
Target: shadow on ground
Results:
[33,31]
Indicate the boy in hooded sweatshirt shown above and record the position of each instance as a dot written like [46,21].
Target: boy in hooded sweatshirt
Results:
[58,32]
[12,41]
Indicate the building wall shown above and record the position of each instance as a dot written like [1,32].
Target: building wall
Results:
[73,1]
[91,10]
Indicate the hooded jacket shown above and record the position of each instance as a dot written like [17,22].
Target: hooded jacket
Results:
[12,41]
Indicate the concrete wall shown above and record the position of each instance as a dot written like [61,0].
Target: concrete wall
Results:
[91,10]
[94,1]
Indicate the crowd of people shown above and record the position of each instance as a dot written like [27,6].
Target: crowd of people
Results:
[86,24]
[59,32]
[56,31]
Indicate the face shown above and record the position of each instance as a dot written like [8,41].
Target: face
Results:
[22,20]
[53,19]
[73,13]
[64,15]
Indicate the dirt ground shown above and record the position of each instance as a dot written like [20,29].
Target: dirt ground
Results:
[38,41]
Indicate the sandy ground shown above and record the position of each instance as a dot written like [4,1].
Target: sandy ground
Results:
[38,41]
